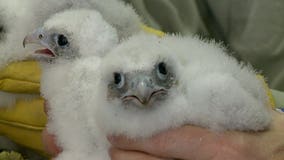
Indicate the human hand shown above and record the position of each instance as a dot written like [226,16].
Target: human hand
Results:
[191,142]
[49,140]
[50,145]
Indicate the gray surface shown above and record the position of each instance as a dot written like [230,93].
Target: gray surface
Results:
[251,28]
[279,98]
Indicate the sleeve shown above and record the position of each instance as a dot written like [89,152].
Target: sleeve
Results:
[24,122]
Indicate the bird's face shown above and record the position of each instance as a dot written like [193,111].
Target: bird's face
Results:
[54,43]
[142,89]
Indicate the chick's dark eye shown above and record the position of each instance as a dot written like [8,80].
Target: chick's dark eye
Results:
[118,80]
[161,71]
[62,40]
[162,68]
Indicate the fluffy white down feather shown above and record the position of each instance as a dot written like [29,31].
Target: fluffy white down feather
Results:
[213,89]
[21,17]
[78,135]
[18,18]
[63,79]
[68,120]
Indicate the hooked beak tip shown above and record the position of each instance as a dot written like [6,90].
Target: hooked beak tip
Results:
[31,38]
[143,101]
[26,40]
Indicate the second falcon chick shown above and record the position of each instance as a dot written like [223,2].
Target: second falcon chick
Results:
[68,39]
[152,84]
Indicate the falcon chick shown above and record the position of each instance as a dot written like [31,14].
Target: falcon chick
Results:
[152,84]
[67,37]
[69,41]
[19,17]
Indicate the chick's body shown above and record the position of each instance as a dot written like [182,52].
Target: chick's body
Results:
[203,86]
[74,42]
[18,18]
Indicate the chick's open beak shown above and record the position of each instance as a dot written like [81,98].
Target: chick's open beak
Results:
[37,37]
[33,38]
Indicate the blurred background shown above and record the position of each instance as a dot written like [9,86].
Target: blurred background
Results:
[251,29]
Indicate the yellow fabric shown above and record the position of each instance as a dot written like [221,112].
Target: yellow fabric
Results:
[20,77]
[153,31]
[271,100]
[24,122]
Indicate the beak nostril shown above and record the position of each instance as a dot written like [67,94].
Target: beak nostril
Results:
[40,36]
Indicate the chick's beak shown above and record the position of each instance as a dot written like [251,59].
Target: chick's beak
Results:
[143,92]
[37,37]
[31,38]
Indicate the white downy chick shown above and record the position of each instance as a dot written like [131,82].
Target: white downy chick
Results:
[17,18]
[67,37]
[152,84]
[71,40]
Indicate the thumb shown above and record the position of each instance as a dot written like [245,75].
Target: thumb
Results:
[50,145]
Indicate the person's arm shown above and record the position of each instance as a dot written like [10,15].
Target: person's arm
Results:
[191,142]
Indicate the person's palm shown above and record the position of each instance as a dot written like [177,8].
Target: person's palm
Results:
[189,142]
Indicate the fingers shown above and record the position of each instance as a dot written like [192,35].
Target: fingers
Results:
[187,142]
[49,141]
[50,144]
[179,143]
[117,154]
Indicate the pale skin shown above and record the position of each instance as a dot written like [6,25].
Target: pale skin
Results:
[190,143]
